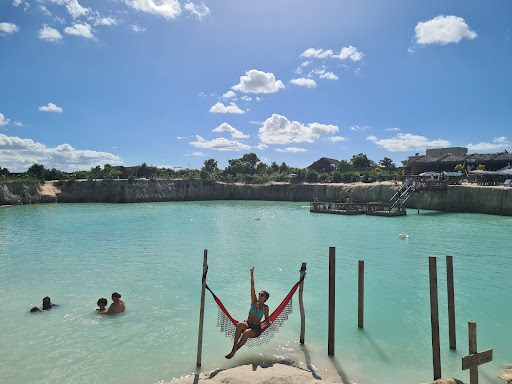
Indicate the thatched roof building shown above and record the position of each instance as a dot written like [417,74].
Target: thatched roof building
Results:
[324,165]
[447,162]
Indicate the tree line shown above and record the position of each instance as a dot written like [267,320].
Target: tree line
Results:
[249,169]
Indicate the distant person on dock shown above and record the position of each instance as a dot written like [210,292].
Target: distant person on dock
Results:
[252,326]
[102,304]
[47,304]
[117,306]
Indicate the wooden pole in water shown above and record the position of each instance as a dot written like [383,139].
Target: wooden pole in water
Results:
[201,312]
[451,301]
[473,372]
[332,301]
[360,296]
[434,318]
[301,304]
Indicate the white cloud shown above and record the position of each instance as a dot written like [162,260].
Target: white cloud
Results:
[291,149]
[8,28]
[44,10]
[75,9]
[16,2]
[328,76]
[317,53]
[49,34]
[345,53]
[199,11]
[51,108]
[279,130]
[221,108]
[392,129]
[137,28]
[83,30]
[358,128]
[304,82]
[18,123]
[219,144]
[256,81]
[349,53]
[108,21]
[199,154]
[3,120]
[499,143]
[18,155]
[229,94]
[181,137]
[246,98]
[170,9]
[235,133]
[443,30]
[336,139]
[256,122]
[404,142]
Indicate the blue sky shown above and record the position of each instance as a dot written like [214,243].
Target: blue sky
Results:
[173,83]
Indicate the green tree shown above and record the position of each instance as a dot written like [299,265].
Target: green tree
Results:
[360,161]
[96,172]
[274,168]
[283,168]
[312,176]
[37,170]
[210,165]
[54,174]
[250,160]
[344,166]
[4,172]
[387,163]
[235,166]
[262,169]
[336,177]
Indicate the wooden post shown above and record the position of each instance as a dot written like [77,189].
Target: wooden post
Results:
[451,301]
[301,304]
[360,297]
[332,301]
[475,358]
[434,318]
[201,311]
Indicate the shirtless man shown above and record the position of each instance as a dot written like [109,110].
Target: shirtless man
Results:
[117,306]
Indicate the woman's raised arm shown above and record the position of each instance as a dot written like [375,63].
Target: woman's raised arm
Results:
[253,292]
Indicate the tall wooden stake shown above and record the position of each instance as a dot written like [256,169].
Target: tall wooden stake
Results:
[434,318]
[201,312]
[332,301]
[301,304]
[451,301]
[475,358]
[360,296]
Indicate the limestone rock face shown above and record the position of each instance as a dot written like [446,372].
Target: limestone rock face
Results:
[446,381]
[27,192]
[506,375]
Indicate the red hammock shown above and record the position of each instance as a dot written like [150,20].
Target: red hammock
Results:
[228,325]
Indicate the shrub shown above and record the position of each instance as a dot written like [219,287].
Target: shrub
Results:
[312,176]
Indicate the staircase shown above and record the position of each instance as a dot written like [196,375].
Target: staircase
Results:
[401,196]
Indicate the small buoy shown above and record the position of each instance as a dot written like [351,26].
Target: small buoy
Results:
[404,236]
[257,218]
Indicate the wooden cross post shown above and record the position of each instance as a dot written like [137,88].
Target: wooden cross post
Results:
[201,311]
[301,303]
[475,358]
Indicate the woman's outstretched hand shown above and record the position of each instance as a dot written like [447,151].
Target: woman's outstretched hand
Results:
[252,270]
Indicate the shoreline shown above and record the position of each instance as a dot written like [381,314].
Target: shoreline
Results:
[466,198]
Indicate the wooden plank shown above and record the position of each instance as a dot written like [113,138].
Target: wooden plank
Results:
[476,359]
[473,372]
[360,301]
[332,300]
[451,302]
[434,318]
[201,311]
[301,304]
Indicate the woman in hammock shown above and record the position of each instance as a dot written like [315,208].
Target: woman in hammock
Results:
[252,326]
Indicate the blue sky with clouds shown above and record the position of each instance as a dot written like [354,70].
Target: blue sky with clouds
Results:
[172,83]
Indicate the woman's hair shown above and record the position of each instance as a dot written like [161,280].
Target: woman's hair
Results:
[47,303]
[266,294]
[117,295]
[102,301]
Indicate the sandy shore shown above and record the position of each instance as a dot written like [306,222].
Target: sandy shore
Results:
[276,373]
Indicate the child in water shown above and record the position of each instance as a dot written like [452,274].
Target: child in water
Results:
[102,304]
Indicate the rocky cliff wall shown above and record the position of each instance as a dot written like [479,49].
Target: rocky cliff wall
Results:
[491,200]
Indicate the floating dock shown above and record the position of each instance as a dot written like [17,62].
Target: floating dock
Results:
[373,208]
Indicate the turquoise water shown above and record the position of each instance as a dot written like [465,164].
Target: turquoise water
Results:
[152,254]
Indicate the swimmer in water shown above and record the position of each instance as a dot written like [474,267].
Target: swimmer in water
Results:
[47,304]
[117,306]
[252,326]
[102,304]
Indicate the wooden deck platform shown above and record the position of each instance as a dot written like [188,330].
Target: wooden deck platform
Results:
[372,209]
